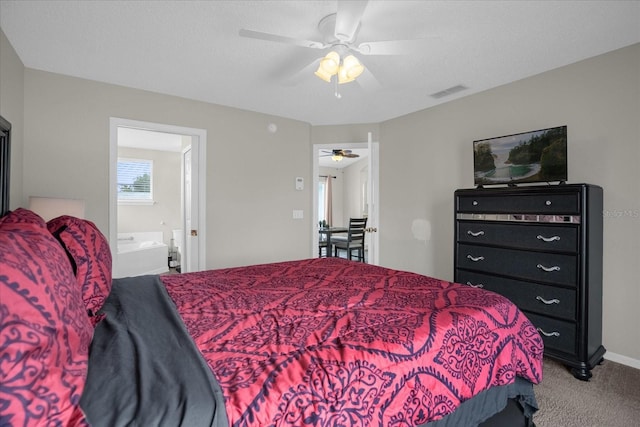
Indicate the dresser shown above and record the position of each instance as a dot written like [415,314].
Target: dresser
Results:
[541,247]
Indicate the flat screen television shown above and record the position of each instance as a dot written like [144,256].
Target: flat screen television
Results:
[535,156]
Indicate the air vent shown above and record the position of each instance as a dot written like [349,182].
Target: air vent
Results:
[450,91]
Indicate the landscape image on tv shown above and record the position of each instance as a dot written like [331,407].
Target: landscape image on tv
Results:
[536,156]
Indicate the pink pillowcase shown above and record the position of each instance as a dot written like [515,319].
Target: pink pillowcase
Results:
[90,256]
[44,330]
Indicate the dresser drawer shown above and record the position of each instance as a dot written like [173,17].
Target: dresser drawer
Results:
[535,266]
[524,236]
[526,203]
[542,299]
[556,334]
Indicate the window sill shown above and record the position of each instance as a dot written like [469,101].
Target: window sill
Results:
[136,202]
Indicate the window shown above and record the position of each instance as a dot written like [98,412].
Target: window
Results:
[322,187]
[134,180]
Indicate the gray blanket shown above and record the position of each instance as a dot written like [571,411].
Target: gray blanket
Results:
[144,369]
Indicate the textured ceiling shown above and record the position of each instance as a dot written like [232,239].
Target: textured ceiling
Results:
[192,49]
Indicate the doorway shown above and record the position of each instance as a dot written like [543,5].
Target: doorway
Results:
[363,197]
[184,174]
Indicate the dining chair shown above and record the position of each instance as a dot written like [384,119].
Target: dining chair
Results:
[322,244]
[353,241]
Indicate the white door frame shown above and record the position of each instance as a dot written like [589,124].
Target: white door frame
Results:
[189,263]
[373,186]
[373,199]
[199,137]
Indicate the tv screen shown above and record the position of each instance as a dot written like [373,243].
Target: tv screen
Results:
[536,156]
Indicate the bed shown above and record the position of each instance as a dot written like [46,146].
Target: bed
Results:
[322,341]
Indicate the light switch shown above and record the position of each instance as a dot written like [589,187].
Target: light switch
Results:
[298,214]
[299,183]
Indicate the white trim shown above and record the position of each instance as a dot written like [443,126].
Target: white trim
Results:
[374,199]
[136,202]
[623,360]
[198,134]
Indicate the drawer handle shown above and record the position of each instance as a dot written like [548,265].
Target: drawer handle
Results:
[479,285]
[475,259]
[548,334]
[548,203]
[548,269]
[474,203]
[548,239]
[475,234]
[548,301]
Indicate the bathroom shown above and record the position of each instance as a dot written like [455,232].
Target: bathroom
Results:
[149,212]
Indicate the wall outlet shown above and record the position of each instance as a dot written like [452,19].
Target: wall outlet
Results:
[298,214]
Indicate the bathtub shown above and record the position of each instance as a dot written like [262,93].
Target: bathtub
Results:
[141,253]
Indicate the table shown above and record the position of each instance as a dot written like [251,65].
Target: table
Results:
[328,231]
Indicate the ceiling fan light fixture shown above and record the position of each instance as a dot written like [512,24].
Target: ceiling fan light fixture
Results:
[339,31]
[329,66]
[350,69]
[343,77]
[336,157]
[353,66]
[331,62]
[347,69]
[322,74]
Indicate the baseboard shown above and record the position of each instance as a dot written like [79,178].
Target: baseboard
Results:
[624,360]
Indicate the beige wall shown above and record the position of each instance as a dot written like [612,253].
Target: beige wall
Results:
[12,109]
[352,197]
[250,198]
[344,133]
[426,155]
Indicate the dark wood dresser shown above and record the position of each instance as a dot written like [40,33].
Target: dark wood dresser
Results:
[541,247]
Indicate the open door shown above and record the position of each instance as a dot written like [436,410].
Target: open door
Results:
[191,205]
[372,199]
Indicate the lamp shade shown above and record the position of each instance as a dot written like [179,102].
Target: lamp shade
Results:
[49,207]
[331,62]
[351,68]
[329,66]
[347,70]
[321,73]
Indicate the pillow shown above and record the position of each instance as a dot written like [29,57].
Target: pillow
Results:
[44,330]
[90,257]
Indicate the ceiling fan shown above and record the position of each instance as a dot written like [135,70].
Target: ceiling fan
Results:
[338,154]
[340,31]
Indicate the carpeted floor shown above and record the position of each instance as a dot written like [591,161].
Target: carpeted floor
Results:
[611,398]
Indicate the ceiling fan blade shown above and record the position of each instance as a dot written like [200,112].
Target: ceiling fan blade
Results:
[351,156]
[293,78]
[281,39]
[390,47]
[348,18]
[368,81]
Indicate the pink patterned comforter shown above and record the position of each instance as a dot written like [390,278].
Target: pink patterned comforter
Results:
[333,342]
